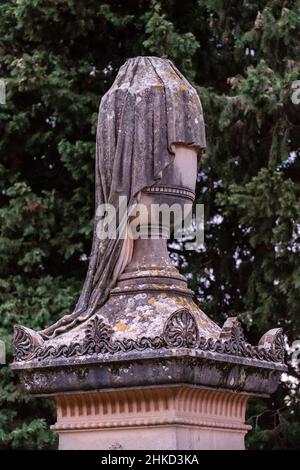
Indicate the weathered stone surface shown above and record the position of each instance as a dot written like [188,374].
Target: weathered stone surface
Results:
[107,355]
[142,329]
[149,108]
[152,367]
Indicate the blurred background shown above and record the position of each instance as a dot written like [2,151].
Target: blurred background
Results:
[57,58]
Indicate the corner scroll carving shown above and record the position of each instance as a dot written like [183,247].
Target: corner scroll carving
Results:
[26,342]
[273,342]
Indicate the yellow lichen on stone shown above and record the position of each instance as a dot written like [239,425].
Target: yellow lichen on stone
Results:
[121,326]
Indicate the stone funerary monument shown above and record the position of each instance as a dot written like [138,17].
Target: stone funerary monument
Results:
[138,365]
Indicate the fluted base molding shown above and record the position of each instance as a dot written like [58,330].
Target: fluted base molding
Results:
[158,418]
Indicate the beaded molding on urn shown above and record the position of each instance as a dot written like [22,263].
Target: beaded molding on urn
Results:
[170,190]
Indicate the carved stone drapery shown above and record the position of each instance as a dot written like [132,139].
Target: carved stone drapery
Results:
[149,108]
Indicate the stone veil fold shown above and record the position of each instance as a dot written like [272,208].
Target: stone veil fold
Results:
[149,107]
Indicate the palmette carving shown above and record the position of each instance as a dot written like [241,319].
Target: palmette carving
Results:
[98,337]
[180,331]
[232,330]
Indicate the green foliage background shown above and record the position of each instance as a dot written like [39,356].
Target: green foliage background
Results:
[58,58]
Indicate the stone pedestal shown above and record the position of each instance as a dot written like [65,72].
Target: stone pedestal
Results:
[161,418]
[150,371]
[178,390]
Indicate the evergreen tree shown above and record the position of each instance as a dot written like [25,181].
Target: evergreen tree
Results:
[57,59]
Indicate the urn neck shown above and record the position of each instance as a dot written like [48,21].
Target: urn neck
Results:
[150,254]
